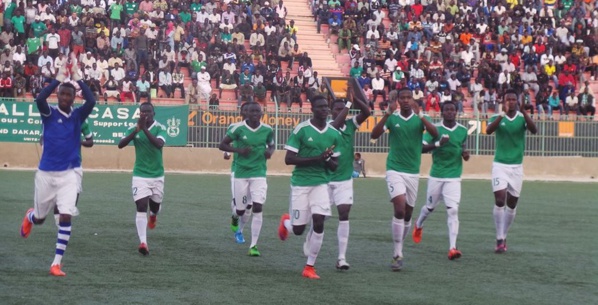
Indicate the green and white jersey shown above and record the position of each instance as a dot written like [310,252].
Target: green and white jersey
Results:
[308,141]
[148,158]
[258,139]
[86,132]
[232,164]
[405,141]
[446,160]
[346,148]
[510,139]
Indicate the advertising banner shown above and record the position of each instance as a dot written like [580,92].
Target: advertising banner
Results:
[21,122]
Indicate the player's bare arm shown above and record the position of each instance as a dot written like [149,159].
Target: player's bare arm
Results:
[531,125]
[494,125]
[269,151]
[225,146]
[126,140]
[364,110]
[157,142]
[430,128]
[465,153]
[431,146]
[379,128]
[291,158]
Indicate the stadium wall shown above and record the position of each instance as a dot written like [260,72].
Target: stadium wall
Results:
[210,160]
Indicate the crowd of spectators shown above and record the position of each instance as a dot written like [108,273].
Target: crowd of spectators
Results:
[441,49]
[457,49]
[133,50]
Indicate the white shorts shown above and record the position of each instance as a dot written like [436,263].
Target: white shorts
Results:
[55,189]
[509,177]
[232,191]
[341,192]
[308,200]
[401,183]
[246,189]
[148,187]
[111,93]
[447,190]
[79,172]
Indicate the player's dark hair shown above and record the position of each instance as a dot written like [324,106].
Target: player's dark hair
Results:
[447,103]
[358,154]
[69,86]
[317,98]
[338,100]
[511,91]
[146,103]
[404,89]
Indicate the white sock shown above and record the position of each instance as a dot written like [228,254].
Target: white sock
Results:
[423,215]
[288,225]
[315,243]
[509,218]
[62,240]
[343,238]
[452,221]
[243,219]
[141,222]
[406,230]
[398,227]
[256,227]
[233,208]
[499,216]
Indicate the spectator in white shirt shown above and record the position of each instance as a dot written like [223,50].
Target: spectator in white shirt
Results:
[44,59]
[118,73]
[165,82]
[378,87]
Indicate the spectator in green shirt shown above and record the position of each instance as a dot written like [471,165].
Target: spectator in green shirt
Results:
[356,70]
[39,28]
[18,22]
[116,10]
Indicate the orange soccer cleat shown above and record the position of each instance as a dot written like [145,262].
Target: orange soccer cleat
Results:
[26,225]
[55,270]
[454,254]
[283,233]
[310,273]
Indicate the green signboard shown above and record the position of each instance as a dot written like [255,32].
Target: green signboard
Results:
[21,122]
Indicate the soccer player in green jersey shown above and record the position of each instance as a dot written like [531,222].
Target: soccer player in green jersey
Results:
[87,141]
[406,129]
[149,137]
[234,226]
[448,152]
[254,145]
[311,147]
[340,186]
[507,169]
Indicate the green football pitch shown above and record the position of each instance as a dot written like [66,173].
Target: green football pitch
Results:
[194,259]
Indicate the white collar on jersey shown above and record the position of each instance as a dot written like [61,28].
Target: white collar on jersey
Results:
[252,129]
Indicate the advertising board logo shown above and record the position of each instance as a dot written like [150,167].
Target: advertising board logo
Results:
[173,129]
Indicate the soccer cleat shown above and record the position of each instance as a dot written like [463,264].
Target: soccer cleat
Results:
[342,264]
[310,272]
[417,234]
[151,224]
[239,237]
[143,249]
[283,233]
[26,225]
[234,223]
[396,264]
[500,246]
[504,245]
[253,251]
[454,254]
[55,270]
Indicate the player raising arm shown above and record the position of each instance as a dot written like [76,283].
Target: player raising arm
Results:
[254,145]
[56,181]
[341,181]
[507,168]
[448,152]
[311,149]
[402,164]
[148,136]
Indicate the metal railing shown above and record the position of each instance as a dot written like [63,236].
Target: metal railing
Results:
[554,138]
